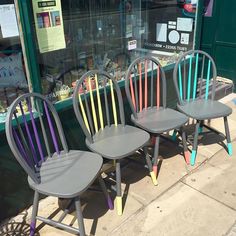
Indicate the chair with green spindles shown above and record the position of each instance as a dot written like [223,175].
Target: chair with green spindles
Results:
[100,113]
[195,81]
[145,87]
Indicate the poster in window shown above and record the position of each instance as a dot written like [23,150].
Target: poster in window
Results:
[49,25]
[8,23]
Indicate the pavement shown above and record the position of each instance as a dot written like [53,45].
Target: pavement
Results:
[199,200]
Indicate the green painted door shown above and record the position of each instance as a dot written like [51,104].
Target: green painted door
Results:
[219,37]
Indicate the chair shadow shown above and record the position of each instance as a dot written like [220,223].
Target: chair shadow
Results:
[207,137]
[133,169]
[13,228]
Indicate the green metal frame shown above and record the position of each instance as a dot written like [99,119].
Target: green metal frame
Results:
[31,56]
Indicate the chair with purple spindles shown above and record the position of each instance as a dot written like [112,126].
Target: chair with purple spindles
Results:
[36,138]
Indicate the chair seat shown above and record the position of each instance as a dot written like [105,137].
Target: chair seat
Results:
[116,142]
[67,175]
[204,109]
[159,120]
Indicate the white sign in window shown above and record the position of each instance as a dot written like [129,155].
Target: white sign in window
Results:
[184,24]
[8,23]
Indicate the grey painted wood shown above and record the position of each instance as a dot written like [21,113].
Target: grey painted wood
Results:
[103,76]
[204,109]
[67,175]
[157,121]
[116,142]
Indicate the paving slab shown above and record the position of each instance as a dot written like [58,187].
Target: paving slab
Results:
[98,219]
[188,200]
[180,211]
[137,182]
[217,178]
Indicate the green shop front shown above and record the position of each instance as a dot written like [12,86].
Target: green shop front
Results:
[47,45]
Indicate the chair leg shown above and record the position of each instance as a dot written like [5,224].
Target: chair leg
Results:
[34,213]
[200,129]
[156,153]
[185,147]
[118,189]
[174,135]
[229,144]
[194,150]
[149,164]
[79,216]
[105,192]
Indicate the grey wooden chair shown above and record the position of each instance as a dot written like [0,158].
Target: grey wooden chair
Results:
[194,78]
[100,113]
[145,88]
[52,168]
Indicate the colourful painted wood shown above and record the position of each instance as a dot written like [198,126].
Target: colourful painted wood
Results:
[193,157]
[21,149]
[136,91]
[189,77]
[93,106]
[119,205]
[88,113]
[208,79]
[42,128]
[140,88]
[180,82]
[158,86]
[52,131]
[83,113]
[132,92]
[28,133]
[35,131]
[195,78]
[202,73]
[113,103]
[146,85]
[99,103]
[106,103]
[230,149]
[23,140]
[152,86]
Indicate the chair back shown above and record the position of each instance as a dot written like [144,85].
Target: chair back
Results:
[145,84]
[34,132]
[97,102]
[194,76]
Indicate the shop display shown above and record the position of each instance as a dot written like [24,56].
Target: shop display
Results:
[108,35]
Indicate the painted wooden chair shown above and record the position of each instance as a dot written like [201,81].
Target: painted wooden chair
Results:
[145,87]
[37,140]
[100,113]
[194,78]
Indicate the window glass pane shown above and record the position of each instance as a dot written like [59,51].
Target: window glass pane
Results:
[107,34]
[12,71]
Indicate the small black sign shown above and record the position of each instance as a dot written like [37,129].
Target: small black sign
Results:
[47,4]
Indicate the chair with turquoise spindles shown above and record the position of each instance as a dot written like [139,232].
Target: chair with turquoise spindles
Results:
[100,113]
[194,78]
[36,138]
[145,87]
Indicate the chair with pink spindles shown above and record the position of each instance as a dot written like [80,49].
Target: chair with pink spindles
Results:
[145,87]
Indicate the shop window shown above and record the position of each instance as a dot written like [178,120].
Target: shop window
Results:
[73,37]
